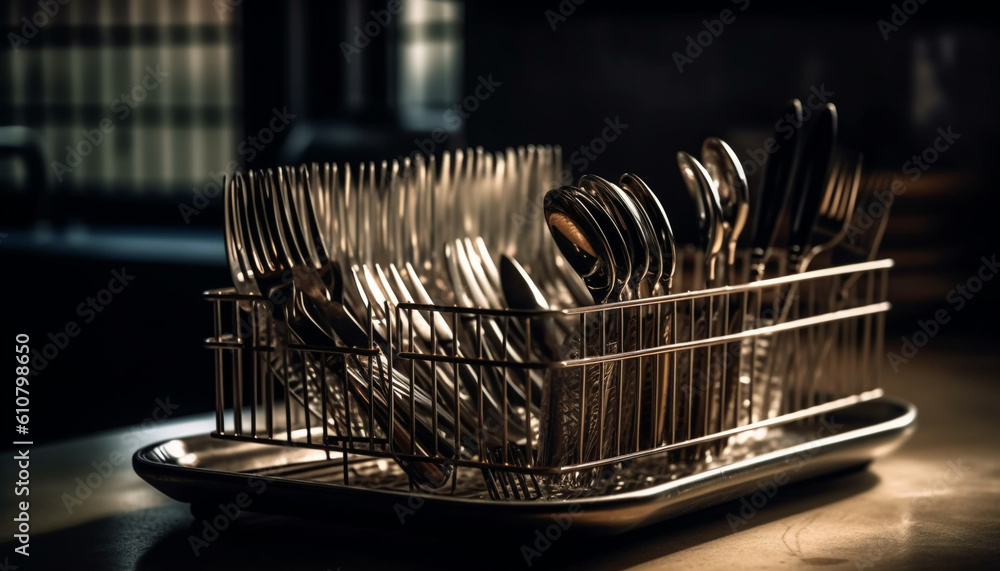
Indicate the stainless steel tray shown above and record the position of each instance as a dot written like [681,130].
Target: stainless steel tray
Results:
[206,471]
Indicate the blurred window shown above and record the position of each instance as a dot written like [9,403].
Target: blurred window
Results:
[430,63]
[144,94]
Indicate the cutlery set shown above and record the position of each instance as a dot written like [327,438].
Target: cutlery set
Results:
[469,325]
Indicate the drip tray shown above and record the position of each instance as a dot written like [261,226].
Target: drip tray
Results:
[206,471]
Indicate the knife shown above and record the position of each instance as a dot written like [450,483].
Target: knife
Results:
[773,194]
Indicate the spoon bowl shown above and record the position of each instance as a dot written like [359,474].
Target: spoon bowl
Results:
[708,208]
[726,172]
[634,226]
[589,239]
[647,202]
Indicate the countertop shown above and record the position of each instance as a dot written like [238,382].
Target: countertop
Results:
[933,503]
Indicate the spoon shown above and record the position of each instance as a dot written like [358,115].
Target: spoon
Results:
[591,242]
[657,372]
[708,209]
[660,226]
[726,172]
[521,292]
[646,271]
[634,227]
[712,234]
[518,288]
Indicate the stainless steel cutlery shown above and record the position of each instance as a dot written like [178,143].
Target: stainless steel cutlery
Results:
[472,310]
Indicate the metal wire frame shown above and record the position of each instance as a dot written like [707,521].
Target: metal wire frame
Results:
[770,372]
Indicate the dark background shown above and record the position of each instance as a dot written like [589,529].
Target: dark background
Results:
[606,60]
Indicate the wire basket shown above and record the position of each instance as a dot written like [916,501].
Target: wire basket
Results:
[549,403]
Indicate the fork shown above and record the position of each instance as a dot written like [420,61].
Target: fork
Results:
[502,483]
[838,203]
[243,282]
[378,287]
[861,244]
[293,222]
[374,284]
[435,380]
[256,273]
[780,384]
[253,229]
[829,230]
[486,332]
[505,484]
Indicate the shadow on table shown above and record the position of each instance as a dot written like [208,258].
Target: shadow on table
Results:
[164,538]
[269,542]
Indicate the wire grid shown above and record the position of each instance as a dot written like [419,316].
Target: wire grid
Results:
[727,366]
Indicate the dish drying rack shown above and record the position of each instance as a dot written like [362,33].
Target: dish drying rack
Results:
[733,370]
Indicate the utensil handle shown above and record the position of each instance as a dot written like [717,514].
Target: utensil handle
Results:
[774,188]
[809,183]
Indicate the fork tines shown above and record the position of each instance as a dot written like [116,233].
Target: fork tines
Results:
[838,202]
